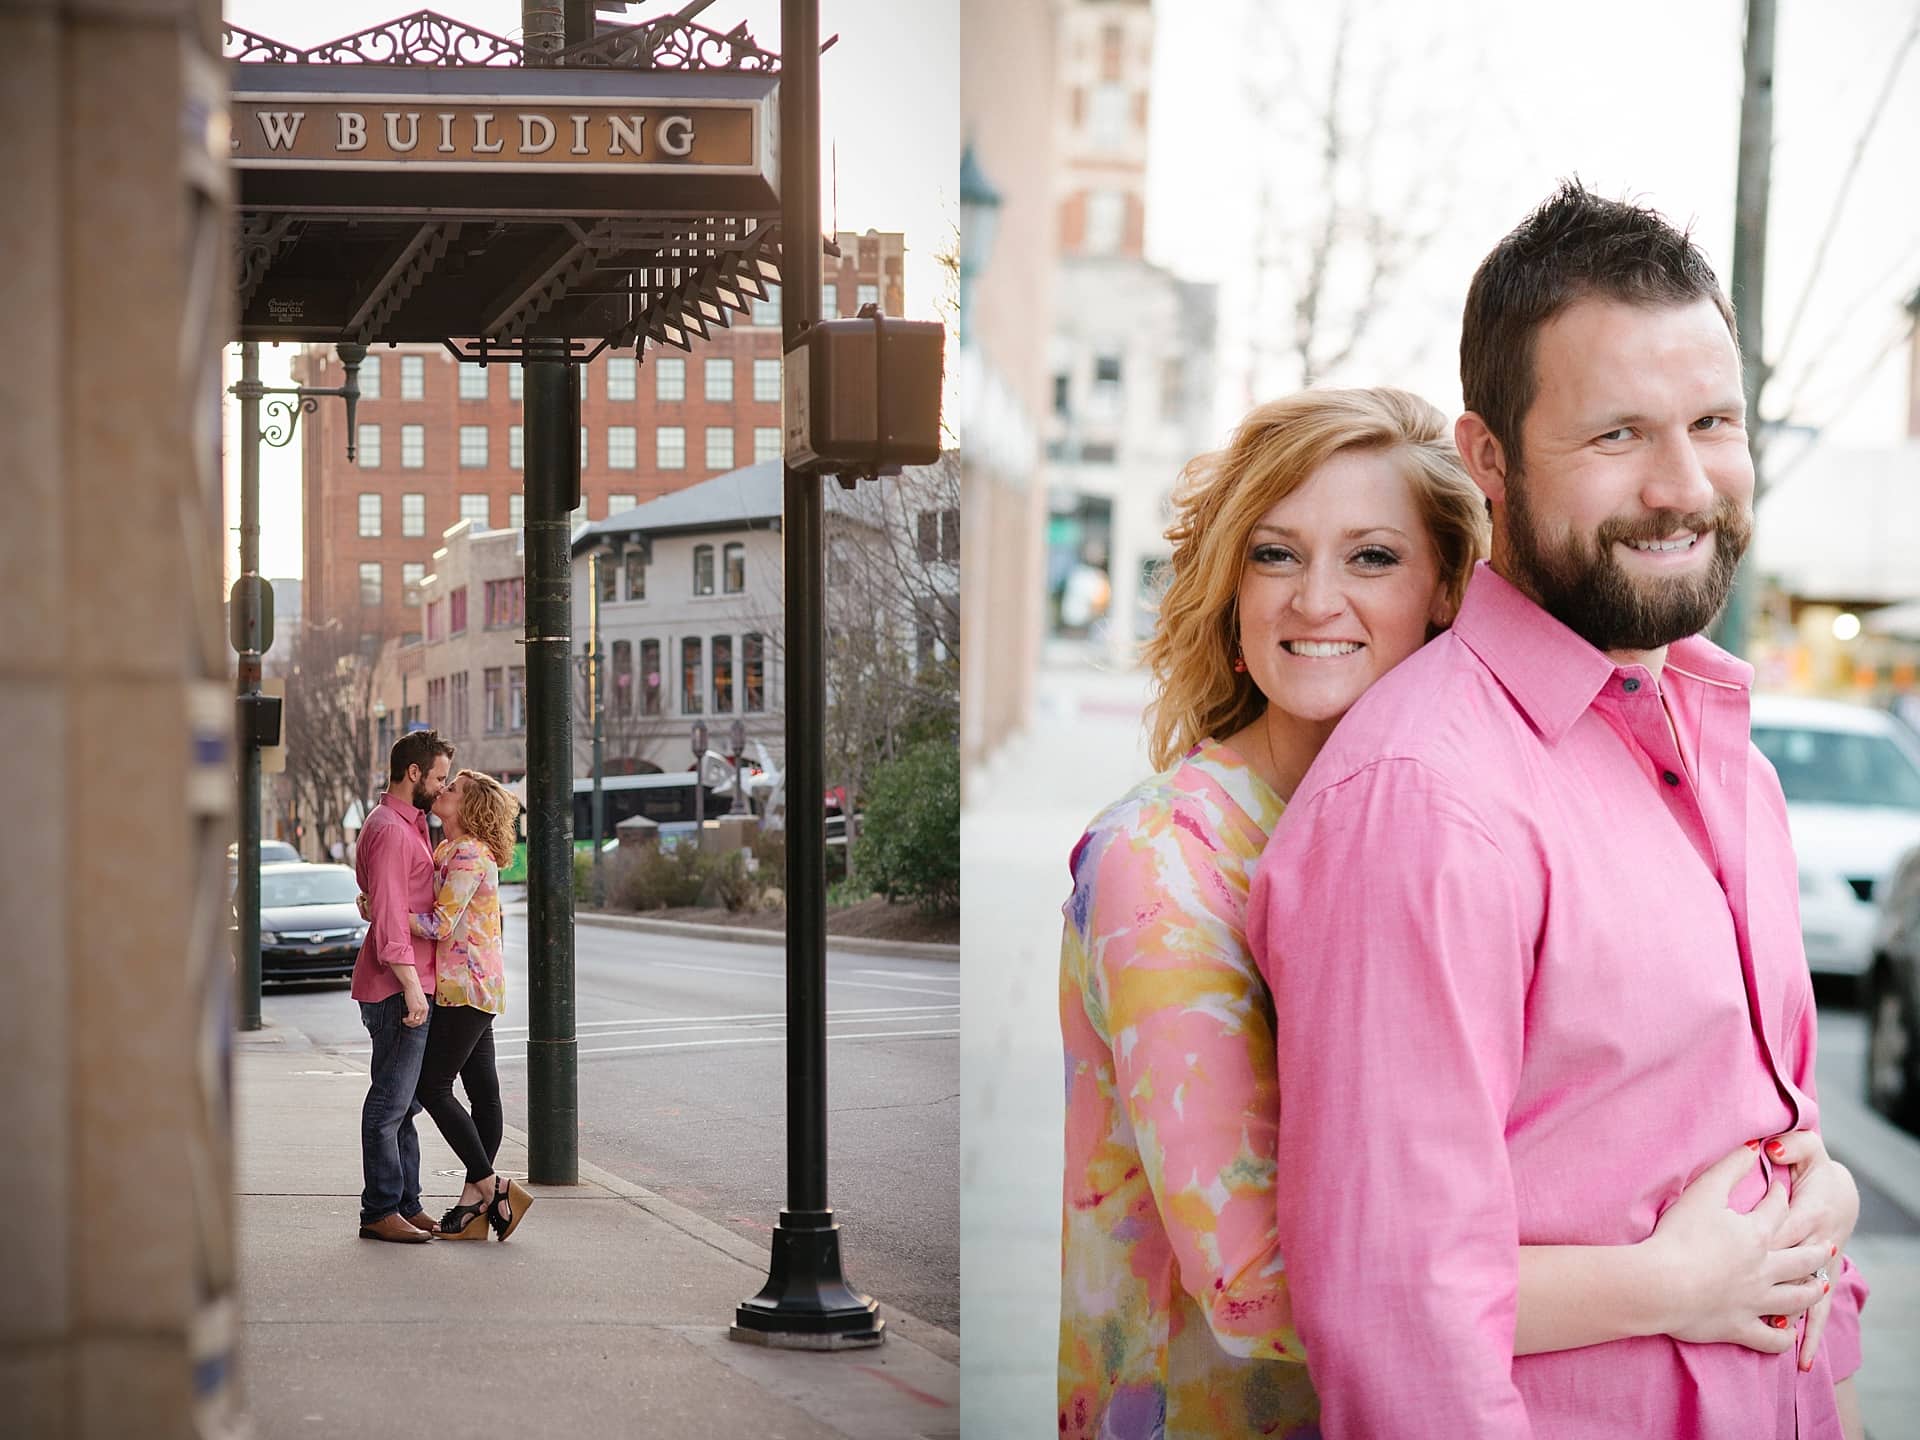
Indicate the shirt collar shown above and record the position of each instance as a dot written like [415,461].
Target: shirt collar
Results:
[410,812]
[1553,674]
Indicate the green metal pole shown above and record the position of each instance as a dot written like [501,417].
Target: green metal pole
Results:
[597,700]
[247,895]
[806,1302]
[552,479]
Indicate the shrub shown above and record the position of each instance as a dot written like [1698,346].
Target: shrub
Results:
[909,842]
[583,877]
[658,880]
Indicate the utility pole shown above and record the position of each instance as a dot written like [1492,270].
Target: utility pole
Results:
[806,1302]
[597,557]
[1749,276]
[550,412]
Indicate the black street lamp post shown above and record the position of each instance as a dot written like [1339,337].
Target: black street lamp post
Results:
[258,714]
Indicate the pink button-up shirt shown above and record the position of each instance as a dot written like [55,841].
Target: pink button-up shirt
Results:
[1535,967]
[394,865]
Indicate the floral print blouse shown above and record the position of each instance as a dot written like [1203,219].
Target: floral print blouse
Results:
[1174,1315]
[470,963]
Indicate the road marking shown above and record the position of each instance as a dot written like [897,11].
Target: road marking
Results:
[781,975]
[910,975]
[740,1040]
[693,1026]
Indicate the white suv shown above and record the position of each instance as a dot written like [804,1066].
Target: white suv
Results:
[1852,781]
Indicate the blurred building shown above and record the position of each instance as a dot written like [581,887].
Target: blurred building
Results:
[1837,546]
[441,441]
[1131,357]
[1008,80]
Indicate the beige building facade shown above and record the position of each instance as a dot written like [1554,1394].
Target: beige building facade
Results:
[118,1313]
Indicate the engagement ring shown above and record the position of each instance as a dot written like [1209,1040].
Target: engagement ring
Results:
[1821,1275]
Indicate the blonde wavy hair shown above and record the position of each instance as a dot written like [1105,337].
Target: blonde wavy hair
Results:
[487,813]
[1223,494]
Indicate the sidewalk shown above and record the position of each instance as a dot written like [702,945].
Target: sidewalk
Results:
[605,1315]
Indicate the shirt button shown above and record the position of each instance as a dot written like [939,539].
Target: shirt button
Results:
[1629,686]
[1669,777]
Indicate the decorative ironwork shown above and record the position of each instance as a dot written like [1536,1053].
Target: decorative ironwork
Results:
[259,241]
[278,432]
[673,43]
[422,38]
[390,292]
[483,351]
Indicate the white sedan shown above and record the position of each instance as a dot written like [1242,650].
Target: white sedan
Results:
[1852,781]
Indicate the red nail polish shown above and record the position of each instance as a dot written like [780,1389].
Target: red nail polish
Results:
[1753,1144]
[1825,1286]
[1832,1250]
[1776,1149]
[1778,1322]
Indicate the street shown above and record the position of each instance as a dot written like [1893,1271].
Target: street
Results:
[1084,750]
[682,1084]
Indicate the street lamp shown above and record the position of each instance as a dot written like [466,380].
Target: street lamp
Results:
[979,218]
[597,709]
[737,737]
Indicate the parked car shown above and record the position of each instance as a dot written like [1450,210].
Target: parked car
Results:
[1893,1000]
[310,928]
[1852,781]
[272,852]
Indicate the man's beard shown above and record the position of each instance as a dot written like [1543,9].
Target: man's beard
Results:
[1588,591]
[422,800]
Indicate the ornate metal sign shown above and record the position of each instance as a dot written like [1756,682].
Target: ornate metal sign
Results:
[418,181]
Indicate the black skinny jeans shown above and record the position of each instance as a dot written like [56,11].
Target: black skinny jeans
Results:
[460,1042]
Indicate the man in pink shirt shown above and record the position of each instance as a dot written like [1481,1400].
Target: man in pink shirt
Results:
[392,979]
[1531,921]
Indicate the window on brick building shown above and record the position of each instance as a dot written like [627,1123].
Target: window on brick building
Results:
[516,511]
[866,295]
[670,379]
[473,381]
[516,381]
[766,380]
[670,447]
[516,448]
[412,572]
[413,447]
[368,446]
[767,311]
[622,447]
[621,370]
[616,503]
[829,300]
[413,377]
[473,447]
[475,508]
[719,447]
[369,515]
[370,583]
[370,377]
[766,443]
[719,379]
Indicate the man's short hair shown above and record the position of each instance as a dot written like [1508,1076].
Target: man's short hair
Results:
[1574,246]
[416,747]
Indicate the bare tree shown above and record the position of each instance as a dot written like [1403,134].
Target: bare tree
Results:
[1336,235]
[328,712]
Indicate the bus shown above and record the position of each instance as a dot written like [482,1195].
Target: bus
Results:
[667,800]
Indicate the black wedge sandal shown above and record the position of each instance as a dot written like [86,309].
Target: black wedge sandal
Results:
[508,1193]
[465,1222]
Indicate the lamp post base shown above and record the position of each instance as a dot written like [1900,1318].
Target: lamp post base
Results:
[806,1304]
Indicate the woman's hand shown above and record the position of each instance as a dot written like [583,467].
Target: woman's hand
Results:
[1823,1208]
[1726,1272]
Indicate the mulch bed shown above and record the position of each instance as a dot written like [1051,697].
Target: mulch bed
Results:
[874,919]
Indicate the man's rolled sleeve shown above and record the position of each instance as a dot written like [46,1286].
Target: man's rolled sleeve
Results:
[387,898]
[1389,931]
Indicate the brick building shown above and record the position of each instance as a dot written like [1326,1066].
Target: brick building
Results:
[441,441]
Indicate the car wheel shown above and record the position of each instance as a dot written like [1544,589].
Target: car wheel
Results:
[1893,1050]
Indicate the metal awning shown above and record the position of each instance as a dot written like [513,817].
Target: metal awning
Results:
[417,181]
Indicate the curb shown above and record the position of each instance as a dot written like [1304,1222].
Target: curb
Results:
[748,935]
[1872,1147]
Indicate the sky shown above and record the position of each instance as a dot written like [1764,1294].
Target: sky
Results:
[890,117]
[1487,103]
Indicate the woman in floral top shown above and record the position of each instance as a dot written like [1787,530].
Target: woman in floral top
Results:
[1331,539]
[470,990]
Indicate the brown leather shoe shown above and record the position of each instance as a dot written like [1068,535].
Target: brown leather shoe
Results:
[392,1227]
[420,1220]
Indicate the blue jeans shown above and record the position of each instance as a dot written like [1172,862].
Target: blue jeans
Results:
[389,1146]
